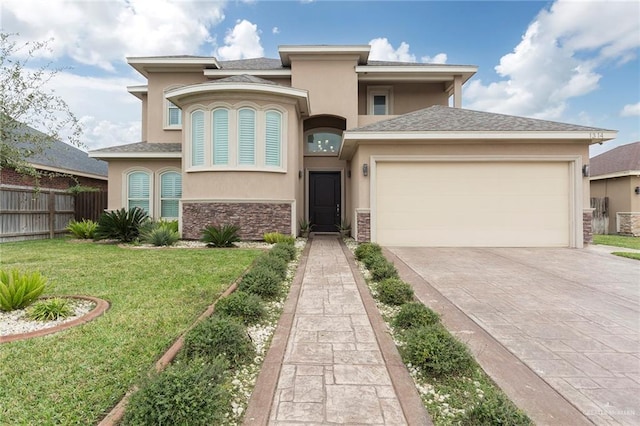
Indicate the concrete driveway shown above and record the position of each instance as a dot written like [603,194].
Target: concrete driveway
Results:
[572,316]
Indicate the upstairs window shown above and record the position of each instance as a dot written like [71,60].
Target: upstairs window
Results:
[379,100]
[170,194]
[273,138]
[246,136]
[174,115]
[220,135]
[197,138]
[138,191]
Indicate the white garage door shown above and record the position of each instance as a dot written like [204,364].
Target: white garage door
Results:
[472,204]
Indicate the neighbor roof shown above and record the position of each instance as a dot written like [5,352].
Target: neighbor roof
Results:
[252,64]
[140,149]
[625,158]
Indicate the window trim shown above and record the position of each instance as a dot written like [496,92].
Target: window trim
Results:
[386,91]
[332,130]
[165,111]
[125,187]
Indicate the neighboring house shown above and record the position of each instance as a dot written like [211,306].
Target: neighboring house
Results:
[615,175]
[325,134]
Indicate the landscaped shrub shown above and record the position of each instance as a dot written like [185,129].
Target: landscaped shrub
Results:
[435,351]
[223,236]
[83,230]
[414,314]
[18,290]
[494,409]
[261,281]
[277,237]
[273,262]
[382,269]
[49,309]
[219,336]
[394,291]
[246,307]
[191,393]
[122,225]
[365,250]
[161,236]
[284,250]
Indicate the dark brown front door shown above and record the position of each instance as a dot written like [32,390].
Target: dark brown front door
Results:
[324,201]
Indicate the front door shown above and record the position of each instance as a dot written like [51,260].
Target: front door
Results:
[324,201]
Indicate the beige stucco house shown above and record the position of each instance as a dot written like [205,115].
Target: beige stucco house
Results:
[324,134]
[615,175]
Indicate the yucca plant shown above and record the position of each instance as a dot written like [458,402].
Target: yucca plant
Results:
[122,225]
[83,230]
[49,309]
[161,236]
[223,236]
[18,290]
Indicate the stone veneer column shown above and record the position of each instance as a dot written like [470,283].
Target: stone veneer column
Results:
[364,226]
[628,223]
[587,226]
[254,219]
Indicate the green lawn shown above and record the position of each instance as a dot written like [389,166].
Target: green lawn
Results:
[617,241]
[78,375]
[635,256]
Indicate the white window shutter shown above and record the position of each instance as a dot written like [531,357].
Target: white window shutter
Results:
[246,136]
[170,194]
[220,136]
[197,138]
[139,190]
[273,138]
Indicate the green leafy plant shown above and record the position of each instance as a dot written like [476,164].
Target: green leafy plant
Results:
[84,230]
[18,290]
[273,262]
[414,314]
[494,409]
[435,351]
[219,336]
[344,228]
[186,393]
[277,237]
[305,227]
[262,281]
[366,250]
[246,307]
[122,225]
[381,269]
[223,236]
[49,309]
[284,250]
[394,291]
[161,236]
[78,189]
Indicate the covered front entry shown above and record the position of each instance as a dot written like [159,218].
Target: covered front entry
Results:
[325,204]
[472,203]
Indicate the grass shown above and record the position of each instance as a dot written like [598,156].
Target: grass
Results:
[635,256]
[78,375]
[617,241]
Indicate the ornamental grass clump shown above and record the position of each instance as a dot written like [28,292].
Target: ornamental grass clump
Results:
[189,393]
[18,290]
[50,309]
[394,291]
[219,336]
[262,281]
[245,307]
[161,236]
[414,314]
[84,230]
[277,237]
[436,352]
[223,236]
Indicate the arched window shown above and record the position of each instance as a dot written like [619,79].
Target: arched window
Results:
[273,138]
[197,138]
[138,191]
[246,136]
[220,135]
[170,194]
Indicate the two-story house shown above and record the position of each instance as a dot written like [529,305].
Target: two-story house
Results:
[326,135]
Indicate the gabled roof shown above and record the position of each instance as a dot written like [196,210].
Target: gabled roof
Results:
[245,78]
[621,161]
[443,123]
[140,150]
[252,64]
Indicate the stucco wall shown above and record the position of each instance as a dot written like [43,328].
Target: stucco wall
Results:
[407,97]
[622,197]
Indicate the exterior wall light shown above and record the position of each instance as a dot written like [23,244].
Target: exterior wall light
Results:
[585,170]
[365,169]
[299,174]
[637,190]
[349,173]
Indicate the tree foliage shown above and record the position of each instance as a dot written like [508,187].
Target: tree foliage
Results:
[28,102]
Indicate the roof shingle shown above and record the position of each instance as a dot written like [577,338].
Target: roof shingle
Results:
[621,159]
[141,147]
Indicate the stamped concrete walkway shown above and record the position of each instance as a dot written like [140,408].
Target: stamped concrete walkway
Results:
[332,367]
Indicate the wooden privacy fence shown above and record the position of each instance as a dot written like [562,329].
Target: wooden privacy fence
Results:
[29,214]
[600,215]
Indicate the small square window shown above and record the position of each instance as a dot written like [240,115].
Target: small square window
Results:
[379,100]
[174,117]
[379,105]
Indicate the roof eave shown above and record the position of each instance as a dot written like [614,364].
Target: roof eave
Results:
[66,171]
[123,155]
[436,73]
[171,64]
[625,173]
[257,73]
[286,51]
[138,91]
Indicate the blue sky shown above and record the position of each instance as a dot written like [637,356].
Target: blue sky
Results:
[570,61]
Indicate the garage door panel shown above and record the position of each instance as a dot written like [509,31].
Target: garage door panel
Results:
[487,204]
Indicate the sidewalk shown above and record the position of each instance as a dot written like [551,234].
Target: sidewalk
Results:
[337,364]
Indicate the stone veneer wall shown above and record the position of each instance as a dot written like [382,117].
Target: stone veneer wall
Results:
[364,227]
[254,219]
[587,226]
[628,223]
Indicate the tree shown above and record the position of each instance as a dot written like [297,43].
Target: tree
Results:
[28,103]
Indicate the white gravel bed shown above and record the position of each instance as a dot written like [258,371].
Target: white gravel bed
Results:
[15,322]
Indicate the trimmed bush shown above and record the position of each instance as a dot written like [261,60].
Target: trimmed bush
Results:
[394,291]
[18,290]
[273,262]
[49,309]
[122,225]
[261,281]
[436,352]
[494,409]
[84,230]
[415,314]
[246,307]
[219,336]
[365,250]
[285,251]
[382,269]
[190,393]
[277,237]
[223,236]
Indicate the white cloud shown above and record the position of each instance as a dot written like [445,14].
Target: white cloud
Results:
[382,50]
[101,32]
[631,110]
[558,58]
[275,30]
[440,58]
[241,42]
